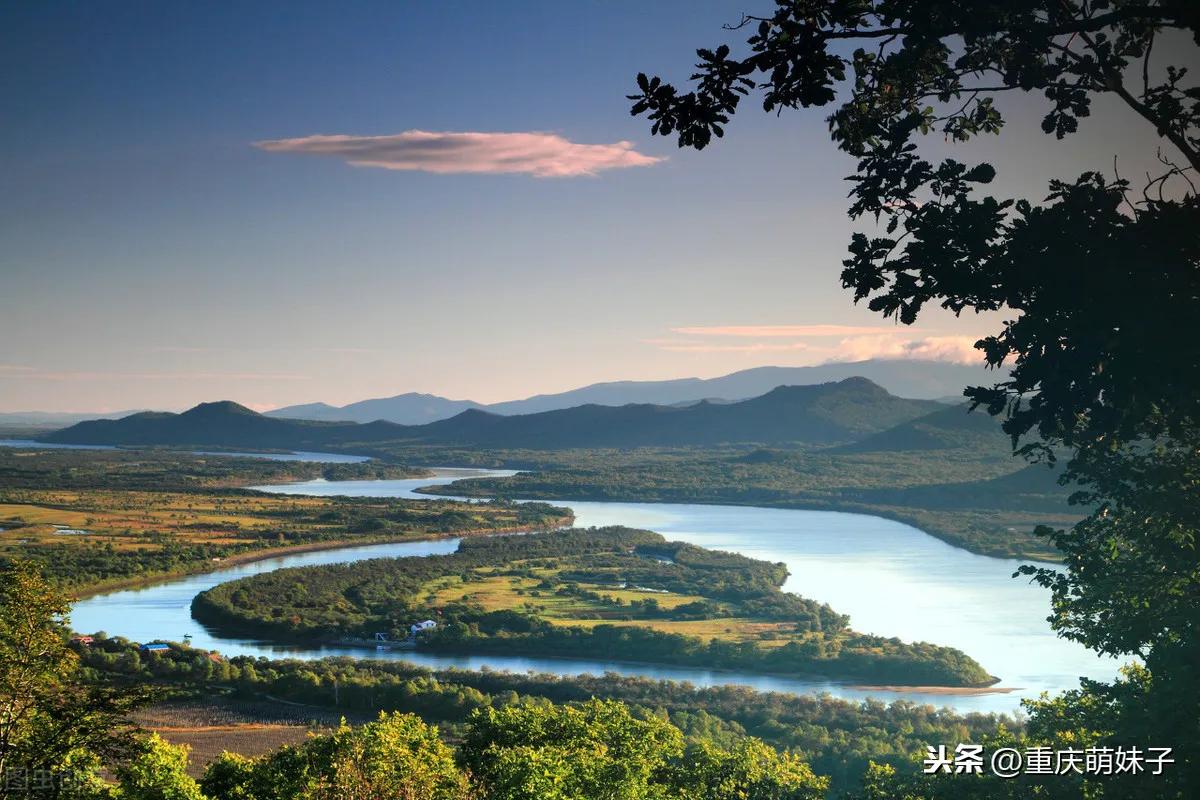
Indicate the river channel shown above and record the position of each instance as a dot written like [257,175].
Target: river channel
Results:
[892,579]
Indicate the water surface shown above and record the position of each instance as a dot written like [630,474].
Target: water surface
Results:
[892,579]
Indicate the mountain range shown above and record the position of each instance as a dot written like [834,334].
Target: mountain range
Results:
[827,413]
[922,380]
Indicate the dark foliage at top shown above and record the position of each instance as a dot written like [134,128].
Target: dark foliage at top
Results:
[1097,280]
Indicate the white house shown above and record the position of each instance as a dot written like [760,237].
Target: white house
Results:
[423,626]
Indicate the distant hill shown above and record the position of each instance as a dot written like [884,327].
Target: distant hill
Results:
[924,380]
[952,428]
[222,424]
[316,411]
[1032,488]
[406,409]
[822,414]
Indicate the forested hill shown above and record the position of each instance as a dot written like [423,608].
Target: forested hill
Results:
[953,428]
[827,413]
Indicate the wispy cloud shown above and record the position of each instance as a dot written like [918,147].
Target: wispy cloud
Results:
[179,349]
[856,343]
[542,155]
[757,331]
[959,349]
[757,347]
[38,375]
[15,368]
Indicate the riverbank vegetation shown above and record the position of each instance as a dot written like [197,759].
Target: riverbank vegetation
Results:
[161,470]
[66,723]
[628,594]
[87,538]
[257,701]
[975,498]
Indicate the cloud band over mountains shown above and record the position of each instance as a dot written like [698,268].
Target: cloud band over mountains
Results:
[542,155]
[854,343]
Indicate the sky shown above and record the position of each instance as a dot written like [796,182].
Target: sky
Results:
[280,203]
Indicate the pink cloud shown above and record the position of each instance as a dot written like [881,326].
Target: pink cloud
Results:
[542,155]
[959,349]
[778,330]
[856,344]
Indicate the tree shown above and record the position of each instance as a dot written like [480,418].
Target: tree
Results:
[1099,281]
[397,756]
[157,771]
[546,752]
[34,659]
[600,751]
[50,722]
[750,770]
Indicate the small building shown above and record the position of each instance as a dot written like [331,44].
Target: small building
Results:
[82,641]
[154,648]
[423,626]
[381,637]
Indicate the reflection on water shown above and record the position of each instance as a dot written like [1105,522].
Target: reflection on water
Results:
[30,443]
[892,580]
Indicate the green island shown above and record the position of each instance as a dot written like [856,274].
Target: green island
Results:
[629,594]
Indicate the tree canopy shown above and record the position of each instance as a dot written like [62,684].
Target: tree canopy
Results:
[1099,279]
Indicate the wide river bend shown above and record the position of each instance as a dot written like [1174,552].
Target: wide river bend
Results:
[892,579]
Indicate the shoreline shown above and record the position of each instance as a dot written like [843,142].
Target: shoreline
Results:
[845,682]
[957,690]
[882,512]
[277,552]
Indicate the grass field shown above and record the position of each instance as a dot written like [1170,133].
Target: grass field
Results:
[142,519]
[246,727]
[139,519]
[206,744]
[507,592]
[99,538]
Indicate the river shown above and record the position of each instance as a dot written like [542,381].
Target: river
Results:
[892,579]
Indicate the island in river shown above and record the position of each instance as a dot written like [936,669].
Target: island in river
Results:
[629,594]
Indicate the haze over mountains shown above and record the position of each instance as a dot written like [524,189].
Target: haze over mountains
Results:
[922,380]
[56,419]
[828,413]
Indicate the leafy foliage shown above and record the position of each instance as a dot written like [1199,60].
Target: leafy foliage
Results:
[1099,283]
[50,721]
[837,738]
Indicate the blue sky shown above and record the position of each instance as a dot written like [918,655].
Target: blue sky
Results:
[153,255]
